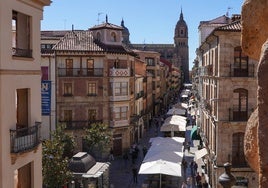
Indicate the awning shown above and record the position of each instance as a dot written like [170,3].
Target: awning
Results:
[194,134]
[200,153]
[176,111]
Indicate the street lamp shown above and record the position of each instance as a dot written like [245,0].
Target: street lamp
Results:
[227,180]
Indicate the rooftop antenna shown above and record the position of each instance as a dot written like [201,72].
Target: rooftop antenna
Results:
[228,9]
[99,13]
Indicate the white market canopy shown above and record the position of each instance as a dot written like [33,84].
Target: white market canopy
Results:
[163,157]
[165,148]
[166,140]
[176,111]
[174,123]
[180,105]
[161,167]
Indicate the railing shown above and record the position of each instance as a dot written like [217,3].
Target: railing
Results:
[25,138]
[236,71]
[238,115]
[74,125]
[80,72]
[22,52]
[119,72]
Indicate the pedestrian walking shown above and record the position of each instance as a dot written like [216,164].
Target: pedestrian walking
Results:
[203,179]
[195,166]
[111,156]
[184,166]
[125,157]
[135,174]
[184,185]
[198,179]
[190,182]
[188,146]
[144,150]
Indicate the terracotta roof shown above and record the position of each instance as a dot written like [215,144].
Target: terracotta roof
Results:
[219,20]
[84,41]
[53,34]
[77,41]
[234,26]
[106,25]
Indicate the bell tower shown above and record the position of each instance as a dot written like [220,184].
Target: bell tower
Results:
[181,47]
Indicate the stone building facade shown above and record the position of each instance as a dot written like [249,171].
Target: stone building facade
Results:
[227,97]
[95,83]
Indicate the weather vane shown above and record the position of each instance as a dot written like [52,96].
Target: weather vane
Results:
[100,13]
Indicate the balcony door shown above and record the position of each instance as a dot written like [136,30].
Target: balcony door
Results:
[240,112]
[22,177]
[240,63]
[90,67]
[22,108]
[69,67]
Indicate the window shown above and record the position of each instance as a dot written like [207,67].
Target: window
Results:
[21,35]
[90,67]
[22,108]
[113,37]
[69,67]
[44,73]
[120,88]
[67,115]
[92,114]
[92,89]
[68,89]
[238,157]
[241,105]
[98,36]
[240,63]
[150,61]
[120,113]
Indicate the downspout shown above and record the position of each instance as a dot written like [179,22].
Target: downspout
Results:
[215,132]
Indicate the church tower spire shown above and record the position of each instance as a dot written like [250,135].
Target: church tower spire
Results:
[181,47]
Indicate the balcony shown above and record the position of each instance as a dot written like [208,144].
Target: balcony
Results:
[77,125]
[80,72]
[119,72]
[25,139]
[17,52]
[236,114]
[119,123]
[236,71]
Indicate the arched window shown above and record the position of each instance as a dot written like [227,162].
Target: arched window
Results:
[240,108]
[238,157]
[113,37]
[98,36]
[240,63]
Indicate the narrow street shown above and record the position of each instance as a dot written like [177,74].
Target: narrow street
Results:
[121,175]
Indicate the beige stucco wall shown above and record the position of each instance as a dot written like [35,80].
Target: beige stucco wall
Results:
[18,73]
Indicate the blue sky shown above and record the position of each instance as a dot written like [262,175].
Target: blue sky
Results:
[149,21]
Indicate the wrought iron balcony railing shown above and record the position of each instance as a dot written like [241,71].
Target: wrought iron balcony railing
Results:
[80,72]
[236,114]
[236,71]
[75,125]
[17,52]
[25,138]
